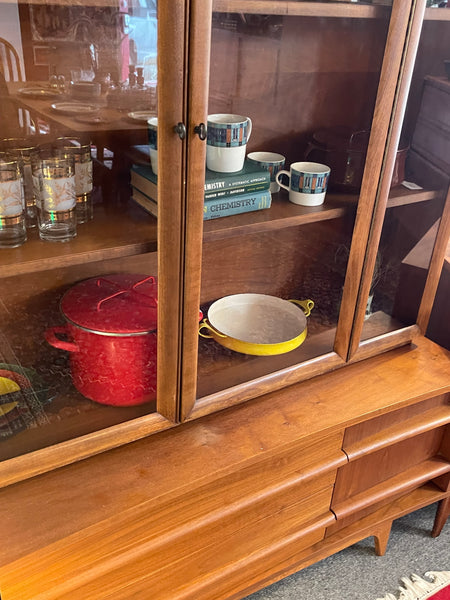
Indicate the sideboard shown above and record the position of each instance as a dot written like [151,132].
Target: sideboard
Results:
[260,490]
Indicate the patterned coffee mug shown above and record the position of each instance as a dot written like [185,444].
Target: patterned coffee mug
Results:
[152,128]
[269,161]
[308,183]
[226,142]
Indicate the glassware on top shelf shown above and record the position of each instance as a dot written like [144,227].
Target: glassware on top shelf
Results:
[54,180]
[12,204]
[80,151]
[24,151]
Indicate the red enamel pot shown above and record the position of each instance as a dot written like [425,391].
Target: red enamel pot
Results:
[110,332]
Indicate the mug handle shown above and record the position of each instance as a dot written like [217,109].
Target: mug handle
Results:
[250,128]
[286,187]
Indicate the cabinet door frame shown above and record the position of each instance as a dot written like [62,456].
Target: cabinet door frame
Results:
[391,99]
[359,270]
[173,25]
[359,350]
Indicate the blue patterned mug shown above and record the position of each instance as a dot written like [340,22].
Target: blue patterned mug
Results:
[269,161]
[307,183]
[152,127]
[226,142]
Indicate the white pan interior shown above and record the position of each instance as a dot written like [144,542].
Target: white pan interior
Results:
[257,318]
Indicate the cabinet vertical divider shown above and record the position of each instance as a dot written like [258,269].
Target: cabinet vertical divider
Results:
[392,60]
[198,88]
[382,196]
[171,178]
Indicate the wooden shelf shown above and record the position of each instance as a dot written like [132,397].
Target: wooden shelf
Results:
[220,369]
[70,417]
[393,487]
[113,233]
[304,9]
[281,214]
[284,214]
[128,230]
[401,196]
[277,7]
[317,9]
[437,14]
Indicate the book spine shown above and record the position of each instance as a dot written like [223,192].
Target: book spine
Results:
[237,181]
[144,185]
[145,202]
[233,205]
[247,189]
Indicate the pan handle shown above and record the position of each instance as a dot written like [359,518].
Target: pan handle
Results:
[205,324]
[305,305]
[53,340]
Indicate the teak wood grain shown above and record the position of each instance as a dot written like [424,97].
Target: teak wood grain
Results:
[282,446]
[197,117]
[374,434]
[171,177]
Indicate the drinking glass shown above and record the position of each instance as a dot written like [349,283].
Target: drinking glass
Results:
[12,204]
[23,151]
[54,181]
[80,151]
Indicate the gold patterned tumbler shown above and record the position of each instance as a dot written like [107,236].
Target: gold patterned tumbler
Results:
[12,204]
[81,153]
[54,181]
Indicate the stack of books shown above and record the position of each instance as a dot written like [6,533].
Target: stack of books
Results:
[225,193]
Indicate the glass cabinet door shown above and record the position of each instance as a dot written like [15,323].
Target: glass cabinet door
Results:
[85,266]
[306,88]
[409,245]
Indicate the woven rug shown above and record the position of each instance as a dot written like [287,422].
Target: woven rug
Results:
[436,586]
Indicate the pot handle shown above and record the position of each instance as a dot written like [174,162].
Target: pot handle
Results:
[53,340]
[305,305]
[310,148]
[205,324]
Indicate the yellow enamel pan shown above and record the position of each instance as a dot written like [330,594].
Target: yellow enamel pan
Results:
[257,323]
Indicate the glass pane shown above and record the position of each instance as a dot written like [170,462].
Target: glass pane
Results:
[418,188]
[78,296]
[308,83]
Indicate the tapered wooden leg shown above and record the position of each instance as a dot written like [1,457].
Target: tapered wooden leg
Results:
[442,513]
[381,538]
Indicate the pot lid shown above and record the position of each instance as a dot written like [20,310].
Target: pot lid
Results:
[122,303]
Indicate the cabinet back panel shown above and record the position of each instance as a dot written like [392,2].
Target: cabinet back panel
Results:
[293,263]
[262,70]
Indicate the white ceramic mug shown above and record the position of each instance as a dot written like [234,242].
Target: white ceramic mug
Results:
[226,142]
[152,125]
[307,183]
[269,161]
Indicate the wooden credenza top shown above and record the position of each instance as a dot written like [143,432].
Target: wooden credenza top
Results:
[50,507]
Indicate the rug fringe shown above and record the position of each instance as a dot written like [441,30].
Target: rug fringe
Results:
[417,588]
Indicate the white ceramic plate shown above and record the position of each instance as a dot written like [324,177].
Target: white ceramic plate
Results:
[141,115]
[38,92]
[93,120]
[74,108]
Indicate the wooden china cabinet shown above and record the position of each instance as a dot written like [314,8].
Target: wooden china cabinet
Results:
[243,468]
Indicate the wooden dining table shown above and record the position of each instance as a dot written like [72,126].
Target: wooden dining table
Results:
[106,127]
